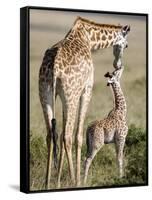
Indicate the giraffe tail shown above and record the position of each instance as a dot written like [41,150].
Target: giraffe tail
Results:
[54,132]
[55,146]
[88,142]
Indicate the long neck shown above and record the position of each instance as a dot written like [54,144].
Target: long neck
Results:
[119,99]
[100,36]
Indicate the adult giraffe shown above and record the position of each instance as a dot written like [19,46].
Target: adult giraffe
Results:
[67,70]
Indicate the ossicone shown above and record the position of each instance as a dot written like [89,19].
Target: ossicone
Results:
[125,29]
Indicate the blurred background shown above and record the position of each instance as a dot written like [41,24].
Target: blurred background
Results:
[47,27]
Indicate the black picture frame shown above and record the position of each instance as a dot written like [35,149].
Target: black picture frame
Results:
[25,96]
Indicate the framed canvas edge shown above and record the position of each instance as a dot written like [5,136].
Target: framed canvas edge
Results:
[24,99]
[25,103]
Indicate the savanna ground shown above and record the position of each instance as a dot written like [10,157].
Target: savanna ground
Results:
[47,28]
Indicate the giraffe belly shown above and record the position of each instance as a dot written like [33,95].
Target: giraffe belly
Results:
[109,136]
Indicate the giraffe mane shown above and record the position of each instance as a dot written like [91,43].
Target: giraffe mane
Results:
[87,21]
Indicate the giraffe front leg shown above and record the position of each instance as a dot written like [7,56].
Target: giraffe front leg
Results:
[84,102]
[120,163]
[120,142]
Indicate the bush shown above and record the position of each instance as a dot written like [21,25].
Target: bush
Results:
[136,155]
[38,157]
[103,171]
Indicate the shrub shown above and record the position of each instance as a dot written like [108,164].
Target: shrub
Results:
[136,155]
[103,171]
[38,156]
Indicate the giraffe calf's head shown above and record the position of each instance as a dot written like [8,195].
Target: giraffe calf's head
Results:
[115,76]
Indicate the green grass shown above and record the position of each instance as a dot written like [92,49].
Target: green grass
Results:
[103,171]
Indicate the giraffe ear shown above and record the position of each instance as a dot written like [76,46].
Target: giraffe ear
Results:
[106,75]
[125,30]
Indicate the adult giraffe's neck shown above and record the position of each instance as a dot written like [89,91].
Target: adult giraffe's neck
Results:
[119,99]
[100,36]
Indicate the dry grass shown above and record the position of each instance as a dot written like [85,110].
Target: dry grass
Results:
[47,28]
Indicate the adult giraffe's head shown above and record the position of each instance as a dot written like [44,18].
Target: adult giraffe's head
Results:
[120,43]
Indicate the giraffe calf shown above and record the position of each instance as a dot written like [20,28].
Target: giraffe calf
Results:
[112,129]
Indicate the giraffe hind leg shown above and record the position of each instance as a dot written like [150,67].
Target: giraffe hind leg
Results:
[61,160]
[62,153]
[68,132]
[46,102]
[48,116]
[84,102]
[88,162]
[93,146]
